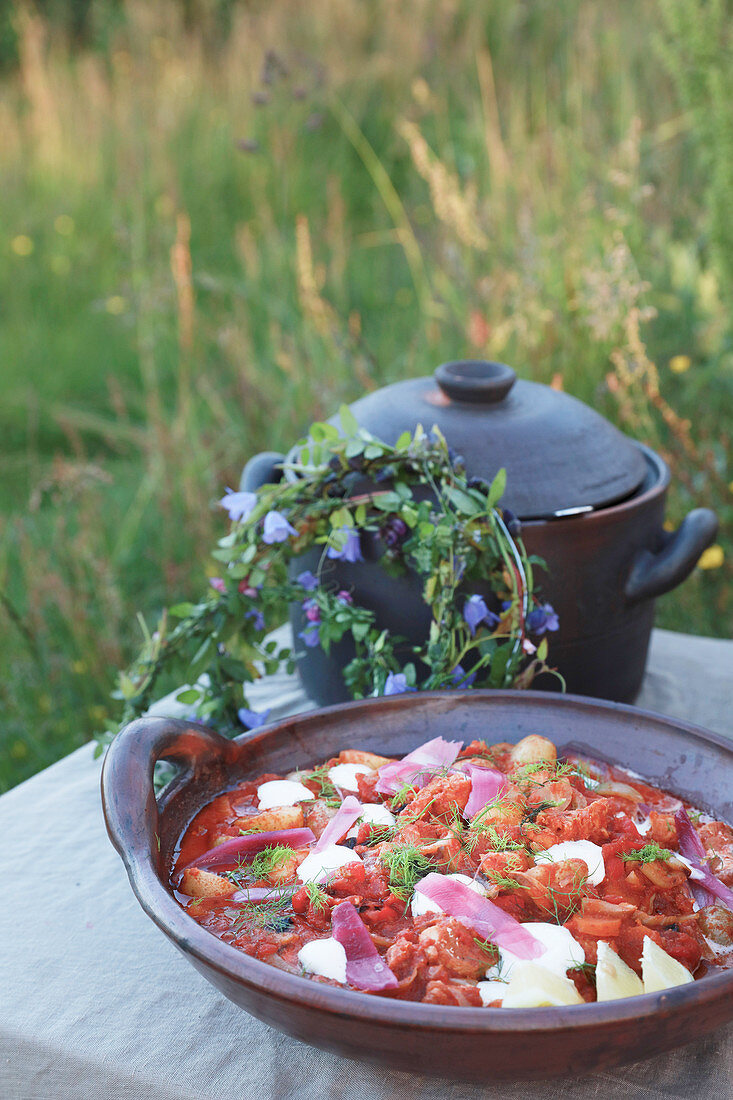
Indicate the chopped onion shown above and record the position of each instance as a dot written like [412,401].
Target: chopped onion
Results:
[248,845]
[365,968]
[260,893]
[707,889]
[486,786]
[478,912]
[417,767]
[347,815]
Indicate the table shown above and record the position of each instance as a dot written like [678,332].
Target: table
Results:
[96,1003]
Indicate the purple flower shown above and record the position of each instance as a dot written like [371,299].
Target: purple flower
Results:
[344,597]
[394,532]
[277,528]
[351,550]
[460,678]
[307,580]
[312,611]
[217,584]
[238,505]
[396,684]
[475,612]
[258,617]
[542,619]
[251,719]
[311,635]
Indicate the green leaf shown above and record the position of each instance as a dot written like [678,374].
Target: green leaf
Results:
[462,501]
[373,450]
[182,610]
[403,441]
[348,421]
[190,695]
[496,491]
[542,650]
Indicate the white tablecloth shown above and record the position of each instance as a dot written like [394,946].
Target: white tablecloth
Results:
[95,1002]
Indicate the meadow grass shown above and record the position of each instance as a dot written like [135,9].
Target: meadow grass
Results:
[205,246]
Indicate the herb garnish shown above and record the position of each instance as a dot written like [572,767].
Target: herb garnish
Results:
[260,866]
[648,854]
[406,865]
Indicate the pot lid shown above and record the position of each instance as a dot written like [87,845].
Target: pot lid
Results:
[561,456]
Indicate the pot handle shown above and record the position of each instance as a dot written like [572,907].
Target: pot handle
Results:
[263,469]
[652,574]
[128,797]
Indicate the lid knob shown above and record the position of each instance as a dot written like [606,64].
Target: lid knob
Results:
[475,380]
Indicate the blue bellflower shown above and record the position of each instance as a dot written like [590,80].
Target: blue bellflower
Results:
[351,549]
[277,528]
[238,505]
[476,612]
[251,719]
[311,636]
[542,619]
[307,580]
[396,684]
[461,679]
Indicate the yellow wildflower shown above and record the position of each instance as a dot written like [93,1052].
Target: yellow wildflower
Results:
[712,558]
[64,225]
[22,245]
[116,305]
[680,363]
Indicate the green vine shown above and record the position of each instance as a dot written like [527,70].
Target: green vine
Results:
[346,493]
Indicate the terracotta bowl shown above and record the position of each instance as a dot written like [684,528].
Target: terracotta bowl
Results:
[467,1043]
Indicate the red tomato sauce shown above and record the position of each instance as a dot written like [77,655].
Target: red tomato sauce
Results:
[260,904]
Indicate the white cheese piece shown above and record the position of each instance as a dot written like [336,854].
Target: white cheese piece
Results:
[644,826]
[420,904]
[375,814]
[562,952]
[533,986]
[318,865]
[614,979]
[326,958]
[282,792]
[344,775]
[659,970]
[590,853]
[491,991]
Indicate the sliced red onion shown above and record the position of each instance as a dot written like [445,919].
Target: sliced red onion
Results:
[247,845]
[347,815]
[486,786]
[710,888]
[463,903]
[365,968]
[417,767]
[260,893]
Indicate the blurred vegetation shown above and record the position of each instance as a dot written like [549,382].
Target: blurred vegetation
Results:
[220,220]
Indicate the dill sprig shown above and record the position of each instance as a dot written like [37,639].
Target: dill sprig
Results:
[317,897]
[327,789]
[648,854]
[406,864]
[261,865]
[268,914]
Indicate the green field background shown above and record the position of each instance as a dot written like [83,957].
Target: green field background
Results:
[221,220]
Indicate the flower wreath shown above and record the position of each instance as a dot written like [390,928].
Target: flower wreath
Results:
[426,516]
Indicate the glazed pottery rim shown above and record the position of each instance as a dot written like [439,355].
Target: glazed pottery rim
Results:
[193,940]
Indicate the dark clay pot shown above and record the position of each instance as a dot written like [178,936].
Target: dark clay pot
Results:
[591,503]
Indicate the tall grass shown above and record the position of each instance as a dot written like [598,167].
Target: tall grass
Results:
[204,245]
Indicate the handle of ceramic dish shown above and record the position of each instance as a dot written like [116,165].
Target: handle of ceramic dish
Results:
[128,797]
[653,574]
[263,469]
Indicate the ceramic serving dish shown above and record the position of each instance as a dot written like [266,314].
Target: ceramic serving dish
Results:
[468,1043]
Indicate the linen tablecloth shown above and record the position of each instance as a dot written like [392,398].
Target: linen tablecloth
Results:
[96,1003]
